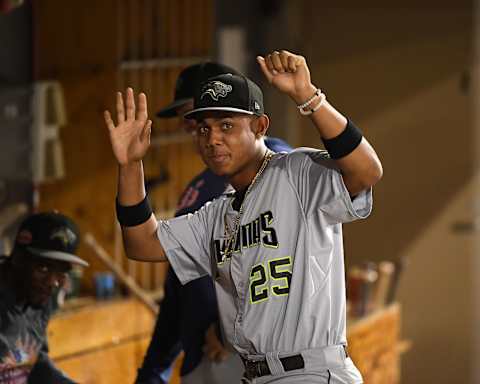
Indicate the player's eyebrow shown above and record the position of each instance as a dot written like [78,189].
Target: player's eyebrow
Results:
[216,120]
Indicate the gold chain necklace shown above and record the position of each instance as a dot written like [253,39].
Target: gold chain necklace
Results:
[236,224]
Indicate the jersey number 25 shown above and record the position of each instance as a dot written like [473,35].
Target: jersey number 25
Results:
[276,270]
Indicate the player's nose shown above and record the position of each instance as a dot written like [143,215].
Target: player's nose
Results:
[215,137]
[53,281]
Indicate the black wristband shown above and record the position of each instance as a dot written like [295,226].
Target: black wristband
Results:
[132,215]
[344,143]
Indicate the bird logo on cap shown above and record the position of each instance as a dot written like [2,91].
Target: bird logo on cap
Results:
[216,89]
[65,235]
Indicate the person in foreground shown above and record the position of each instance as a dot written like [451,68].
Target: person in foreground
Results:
[274,248]
[188,318]
[29,278]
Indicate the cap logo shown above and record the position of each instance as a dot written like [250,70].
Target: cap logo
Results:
[256,106]
[65,235]
[24,237]
[216,89]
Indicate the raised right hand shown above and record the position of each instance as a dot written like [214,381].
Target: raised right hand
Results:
[130,139]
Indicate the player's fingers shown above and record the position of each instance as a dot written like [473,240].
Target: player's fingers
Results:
[263,67]
[147,130]
[211,354]
[284,55]
[223,355]
[277,63]
[270,66]
[292,66]
[300,61]
[220,355]
[108,120]
[120,108]
[287,52]
[205,349]
[142,113]
[130,104]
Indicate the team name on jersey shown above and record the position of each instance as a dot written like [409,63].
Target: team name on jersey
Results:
[258,232]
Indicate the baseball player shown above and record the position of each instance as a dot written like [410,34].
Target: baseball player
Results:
[29,278]
[274,248]
[193,306]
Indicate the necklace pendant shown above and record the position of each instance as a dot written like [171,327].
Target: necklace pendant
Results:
[231,233]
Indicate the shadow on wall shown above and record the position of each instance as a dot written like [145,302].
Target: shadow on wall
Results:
[408,88]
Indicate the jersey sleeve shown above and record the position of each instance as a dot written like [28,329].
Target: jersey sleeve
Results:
[186,241]
[321,190]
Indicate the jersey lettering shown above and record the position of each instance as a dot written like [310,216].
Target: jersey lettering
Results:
[270,238]
[255,228]
[245,234]
[258,232]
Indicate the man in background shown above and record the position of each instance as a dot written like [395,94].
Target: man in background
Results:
[188,318]
[29,278]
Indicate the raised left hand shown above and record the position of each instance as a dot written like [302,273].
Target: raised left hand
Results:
[288,73]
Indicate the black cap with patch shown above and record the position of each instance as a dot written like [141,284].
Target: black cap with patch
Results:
[188,80]
[50,235]
[228,92]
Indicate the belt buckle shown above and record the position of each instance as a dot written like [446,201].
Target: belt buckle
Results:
[250,369]
[253,369]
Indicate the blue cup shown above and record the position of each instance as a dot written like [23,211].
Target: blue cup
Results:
[104,285]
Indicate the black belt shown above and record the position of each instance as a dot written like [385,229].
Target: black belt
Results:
[259,368]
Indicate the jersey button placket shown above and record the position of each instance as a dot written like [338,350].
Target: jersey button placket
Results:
[239,283]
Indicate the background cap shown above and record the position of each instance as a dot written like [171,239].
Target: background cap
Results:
[228,92]
[50,235]
[188,80]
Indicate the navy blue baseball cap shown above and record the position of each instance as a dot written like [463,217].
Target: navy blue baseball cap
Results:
[190,79]
[50,235]
[228,92]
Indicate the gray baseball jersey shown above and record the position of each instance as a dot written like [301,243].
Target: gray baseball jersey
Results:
[282,286]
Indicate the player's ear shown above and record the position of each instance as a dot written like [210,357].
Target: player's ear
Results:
[260,126]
